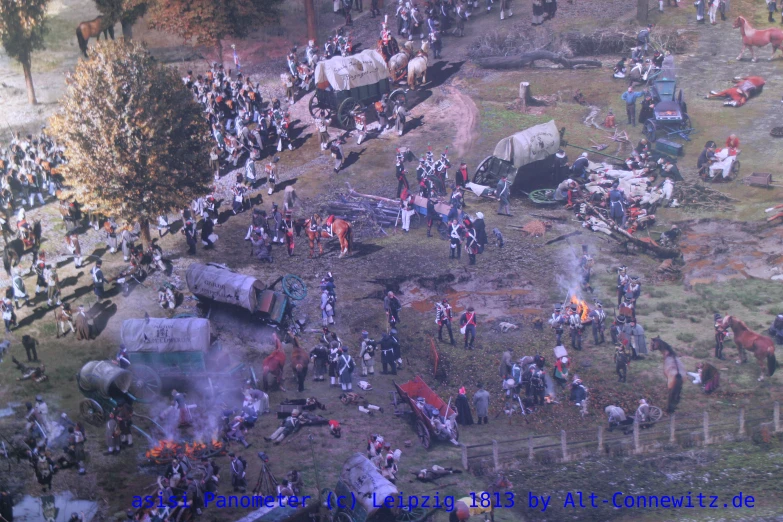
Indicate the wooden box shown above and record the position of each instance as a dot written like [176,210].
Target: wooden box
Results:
[669,147]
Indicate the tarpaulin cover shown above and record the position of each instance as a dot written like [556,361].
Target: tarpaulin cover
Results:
[533,144]
[223,285]
[189,334]
[99,376]
[347,72]
[363,478]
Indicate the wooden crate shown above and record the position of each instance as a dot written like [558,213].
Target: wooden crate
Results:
[759,179]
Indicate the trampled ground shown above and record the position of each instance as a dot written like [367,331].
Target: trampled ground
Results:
[469,110]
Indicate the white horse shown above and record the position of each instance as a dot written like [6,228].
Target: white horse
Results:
[399,62]
[417,66]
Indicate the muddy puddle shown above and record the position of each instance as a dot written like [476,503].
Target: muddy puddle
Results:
[716,251]
[491,299]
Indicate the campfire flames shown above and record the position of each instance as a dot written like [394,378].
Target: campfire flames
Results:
[167,450]
[581,307]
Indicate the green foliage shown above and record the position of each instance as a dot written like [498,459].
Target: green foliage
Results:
[136,140]
[686,337]
[126,11]
[210,21]
[22,27]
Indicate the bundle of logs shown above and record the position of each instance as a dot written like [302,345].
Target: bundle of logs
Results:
[695,195]
[376,215]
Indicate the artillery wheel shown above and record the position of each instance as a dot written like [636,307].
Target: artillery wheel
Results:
[294,287]
[456,432]
[146,383]
[399,96]
[319,102]
[543,197]
[344,116]
[655,414]
[91,412]
[424,433]
[649,130]
[410,515]
[482,167]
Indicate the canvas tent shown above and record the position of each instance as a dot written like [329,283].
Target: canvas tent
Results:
[344,73]
[522,153]
[157,335]
[221,284]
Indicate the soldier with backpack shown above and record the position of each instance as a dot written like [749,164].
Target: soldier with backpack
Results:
[367,354]
[538,385]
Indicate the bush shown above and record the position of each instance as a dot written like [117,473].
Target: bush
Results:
[686,337]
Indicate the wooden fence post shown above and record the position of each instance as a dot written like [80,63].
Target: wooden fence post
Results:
[600,439]
[742,422]
[464,457]
[706,427]
[672,434]
[495,456]
[636,446]
[564,444]
[530,455]
[776,416]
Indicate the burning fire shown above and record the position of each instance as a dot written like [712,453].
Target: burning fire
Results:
[581,307]
[167,450]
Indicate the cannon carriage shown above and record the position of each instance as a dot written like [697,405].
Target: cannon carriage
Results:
[345,84]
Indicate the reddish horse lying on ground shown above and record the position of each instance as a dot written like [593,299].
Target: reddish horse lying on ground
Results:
[273,364]
[340,229]
[752,38]
[299,362]
[748,340]
[673,369]
[744,89]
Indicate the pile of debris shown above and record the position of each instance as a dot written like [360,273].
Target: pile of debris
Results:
[369,218]
[695,195]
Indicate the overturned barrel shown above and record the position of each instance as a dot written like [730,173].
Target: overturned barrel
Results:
[104,378]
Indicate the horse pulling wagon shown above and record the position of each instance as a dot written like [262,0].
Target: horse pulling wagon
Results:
[167,353]
[433,417]
[104,386]
[345,84]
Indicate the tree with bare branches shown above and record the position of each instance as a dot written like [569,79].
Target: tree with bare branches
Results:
[209,22]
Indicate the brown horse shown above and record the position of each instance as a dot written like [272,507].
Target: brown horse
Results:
[86,30]
[673,370]
[299,362]
[752,38]
[340,228]
[748,340]
[274,363]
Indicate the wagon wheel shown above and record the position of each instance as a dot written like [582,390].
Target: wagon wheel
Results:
[399,96]
[649,130]
[410,515]
[146,382]
[543,197]
[344,116]
[91,412]
[456,432]
[655,414]
[481,170]
[424,433]
[294,287]
[735,167]
[319,102]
